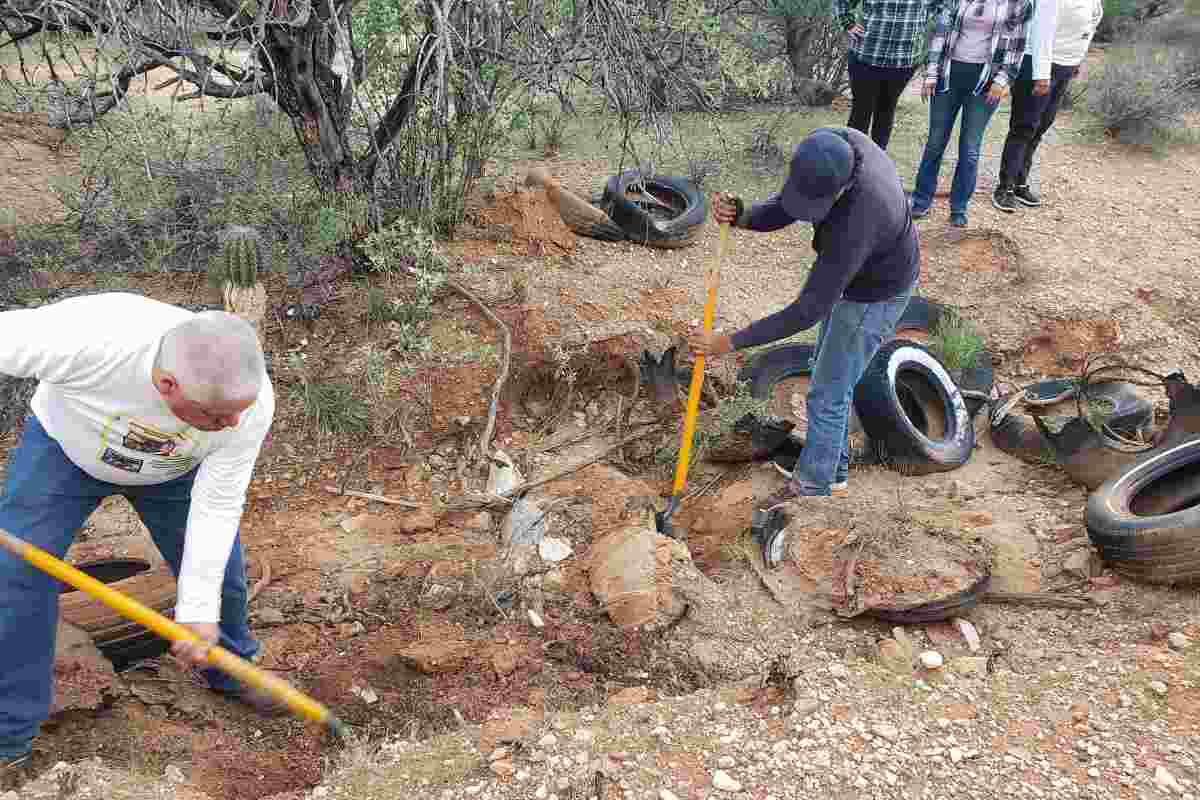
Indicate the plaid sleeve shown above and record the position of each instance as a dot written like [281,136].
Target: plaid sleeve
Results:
[844,11]
[937,42]
[1019,14]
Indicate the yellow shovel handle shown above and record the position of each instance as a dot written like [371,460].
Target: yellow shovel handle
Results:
[693,404]
[127,607]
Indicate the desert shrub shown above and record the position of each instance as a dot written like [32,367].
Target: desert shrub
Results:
[1137,98]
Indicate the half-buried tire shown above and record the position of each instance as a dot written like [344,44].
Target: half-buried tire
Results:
[120,640]
[913,411]
[789,362]
[920,321]
[1145,521]
[666,211]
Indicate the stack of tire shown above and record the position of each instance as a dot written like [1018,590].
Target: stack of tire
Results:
[916,416]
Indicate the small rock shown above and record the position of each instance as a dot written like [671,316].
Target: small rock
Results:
[535,619]
[1093,772]
[585,735]
[726,762]
[969,634]
[174,774]
[1177,641]
[838,670]
[320,791]
[365,693]
[805,708]
[1158,687]
[541,792]
[667,794]
[502,769]
[722,782]
[553,549]
[499,754]
[548,741]
[931,659]
[889,732]
[1082,562]
[1080,712]
[956,754]
[1165,781]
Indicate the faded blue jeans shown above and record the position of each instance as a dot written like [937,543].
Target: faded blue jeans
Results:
[848,340]
[47,501]
[943,111]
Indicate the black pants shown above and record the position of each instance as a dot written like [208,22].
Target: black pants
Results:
[875,92]
[1031,117]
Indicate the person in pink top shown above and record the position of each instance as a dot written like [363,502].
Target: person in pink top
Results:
[974,56]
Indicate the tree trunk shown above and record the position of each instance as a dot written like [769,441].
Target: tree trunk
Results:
[799,34]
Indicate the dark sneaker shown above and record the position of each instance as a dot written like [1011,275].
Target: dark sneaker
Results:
[958,220]
[1003,199]
[15,770]
[1025,196]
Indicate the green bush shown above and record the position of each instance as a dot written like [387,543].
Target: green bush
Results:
[1138,98]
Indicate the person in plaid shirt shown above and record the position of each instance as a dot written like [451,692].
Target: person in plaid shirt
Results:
[885,48]
[974,56]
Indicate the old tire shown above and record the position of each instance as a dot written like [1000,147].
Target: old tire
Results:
[675,223]
[776,364]
[919,320]
[954,606]
[913,411]
[1145,521]
[120,640]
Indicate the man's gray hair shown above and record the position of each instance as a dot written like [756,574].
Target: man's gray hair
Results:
[215,356]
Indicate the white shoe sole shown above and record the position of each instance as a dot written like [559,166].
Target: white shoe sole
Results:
[841,487]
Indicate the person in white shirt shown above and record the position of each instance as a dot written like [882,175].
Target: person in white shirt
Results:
[1060,34]
[153,402]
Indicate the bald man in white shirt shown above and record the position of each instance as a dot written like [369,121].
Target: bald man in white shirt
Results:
[146,400]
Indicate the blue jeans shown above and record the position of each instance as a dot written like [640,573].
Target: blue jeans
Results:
[47,501]
[943,111]
[848,340]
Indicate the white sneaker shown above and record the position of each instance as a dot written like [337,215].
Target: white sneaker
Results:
[839,488]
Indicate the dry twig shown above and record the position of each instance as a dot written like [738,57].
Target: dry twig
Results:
[378,498]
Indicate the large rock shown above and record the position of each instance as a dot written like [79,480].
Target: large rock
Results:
[83,678]
[631,572]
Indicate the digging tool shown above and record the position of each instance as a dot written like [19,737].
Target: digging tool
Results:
[217,656]
[662,519]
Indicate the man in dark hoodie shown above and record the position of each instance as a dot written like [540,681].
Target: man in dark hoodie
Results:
[868,262]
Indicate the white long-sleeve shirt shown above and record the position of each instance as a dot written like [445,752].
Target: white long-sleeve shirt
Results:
[93,357]
[1077,23]
[1041,40]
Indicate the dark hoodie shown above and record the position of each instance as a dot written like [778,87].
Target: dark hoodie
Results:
[867,247]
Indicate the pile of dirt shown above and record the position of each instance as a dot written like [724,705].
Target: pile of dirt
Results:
[1062,346]
[529,220]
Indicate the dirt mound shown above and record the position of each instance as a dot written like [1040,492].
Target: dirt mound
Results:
[850,557]
[530,221]
[1062,346]
[981,251]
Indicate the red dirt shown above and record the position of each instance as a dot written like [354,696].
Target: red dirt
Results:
[531,223]
[1061,346]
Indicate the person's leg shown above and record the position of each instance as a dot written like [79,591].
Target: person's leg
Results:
[891,87]
[977,112]
[1022,125]
[46,502]
[864,89]
[943,109]
[856,330]
[164,509]
[842,474]
[1060,81]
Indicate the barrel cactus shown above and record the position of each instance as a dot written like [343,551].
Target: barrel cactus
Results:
[237,269]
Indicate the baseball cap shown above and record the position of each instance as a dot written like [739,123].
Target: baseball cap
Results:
[821,165]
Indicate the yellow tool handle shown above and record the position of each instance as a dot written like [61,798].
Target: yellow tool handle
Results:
[128,607]
[693,405]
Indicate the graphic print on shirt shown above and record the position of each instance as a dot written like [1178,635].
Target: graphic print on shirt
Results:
[133,446]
